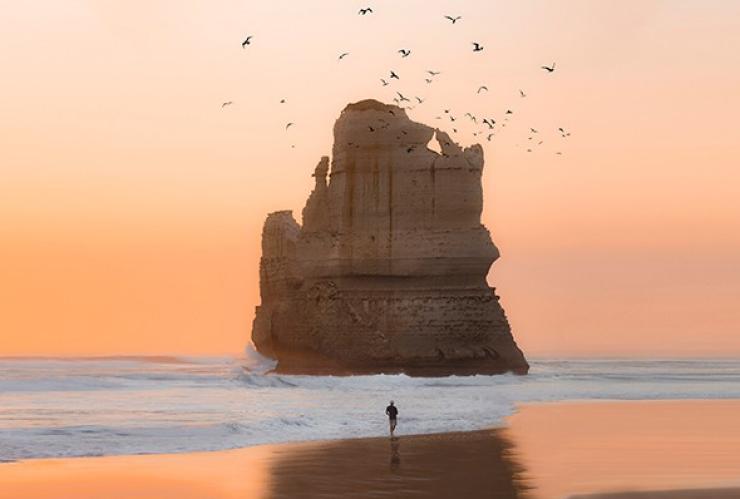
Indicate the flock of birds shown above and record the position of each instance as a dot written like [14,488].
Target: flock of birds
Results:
[400,99]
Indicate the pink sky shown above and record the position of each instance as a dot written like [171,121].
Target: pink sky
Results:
[131,204]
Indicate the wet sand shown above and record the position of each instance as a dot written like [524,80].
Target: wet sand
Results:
[451,465]
[584,448]
[552,451]
[669,494]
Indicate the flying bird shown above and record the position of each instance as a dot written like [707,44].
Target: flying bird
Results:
[385,83]
[509,111]
[404,52]
[420,100]
[489,137]
[453,19]
[434,73]
[394,75]
[533,130]
[427,80]
[521,92]
[367,10]
[549,69]
[488,122]
[282,101]
[477,47]
[289,125]
[247,41]
[226,104]
[482,88]
[401,96]
[371,128]
[343,55]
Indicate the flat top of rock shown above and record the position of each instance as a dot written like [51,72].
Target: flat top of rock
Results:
[372,105]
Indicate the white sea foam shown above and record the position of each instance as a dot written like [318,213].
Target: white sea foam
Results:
[55,407]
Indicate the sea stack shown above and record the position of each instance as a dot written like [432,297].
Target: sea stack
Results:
[388,271]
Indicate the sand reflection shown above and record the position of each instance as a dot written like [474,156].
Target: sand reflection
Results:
[584,448]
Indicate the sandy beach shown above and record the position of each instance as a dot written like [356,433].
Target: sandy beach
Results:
[610,450]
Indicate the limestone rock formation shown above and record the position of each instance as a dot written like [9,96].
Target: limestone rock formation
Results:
[388,271]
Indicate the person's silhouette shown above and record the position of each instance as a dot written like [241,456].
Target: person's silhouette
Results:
[392,413]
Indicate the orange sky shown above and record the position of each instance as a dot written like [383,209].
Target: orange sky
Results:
[131,205]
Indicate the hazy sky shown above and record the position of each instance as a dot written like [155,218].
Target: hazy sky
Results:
[131,204]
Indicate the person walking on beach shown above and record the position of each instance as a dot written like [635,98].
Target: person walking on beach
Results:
[392,413]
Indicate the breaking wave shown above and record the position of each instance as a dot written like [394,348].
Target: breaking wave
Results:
[92,407]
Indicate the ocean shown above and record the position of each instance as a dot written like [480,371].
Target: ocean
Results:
[144,405]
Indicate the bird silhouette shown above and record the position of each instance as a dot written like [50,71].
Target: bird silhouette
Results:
[477,47]
[247,41]
[453,19]
[404,52]
[343,55]
[403,99]
[434,73]
[521,92]
[427,80]
[533,130]
[489,137]
[489,122]
[419,100]
[509,111]
[289,125]
[385,83]
[282,101]
[482,88]
[367,10]
[549,69]
[371,128]
[394,75]
[228,103]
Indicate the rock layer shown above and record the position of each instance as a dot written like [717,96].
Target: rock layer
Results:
[388,272]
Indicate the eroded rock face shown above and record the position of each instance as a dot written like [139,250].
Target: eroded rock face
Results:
[388,271]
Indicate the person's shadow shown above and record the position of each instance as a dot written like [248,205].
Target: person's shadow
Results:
[395,455]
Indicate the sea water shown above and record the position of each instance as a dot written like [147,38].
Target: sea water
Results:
[128,405]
